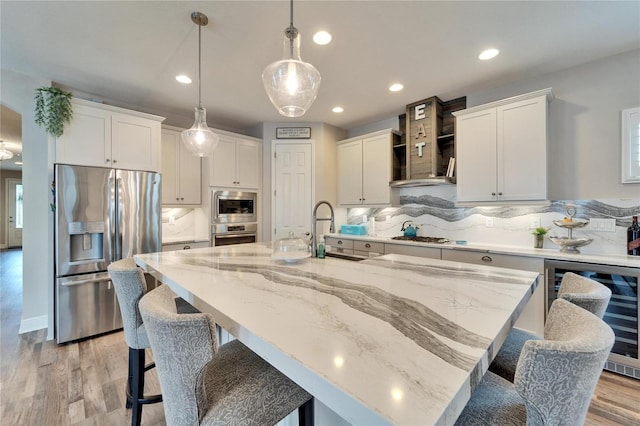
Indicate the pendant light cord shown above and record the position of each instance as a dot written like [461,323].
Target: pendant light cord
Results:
[200,64]
[291,30]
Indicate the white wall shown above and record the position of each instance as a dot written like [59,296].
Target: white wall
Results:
[389,123]
[37,237]
[584,134]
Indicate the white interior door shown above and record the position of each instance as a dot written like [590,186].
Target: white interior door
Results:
[14,213]
[292,197]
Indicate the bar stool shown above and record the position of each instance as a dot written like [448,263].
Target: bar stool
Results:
[555,377]
[206,384]
[130,286]
[581,291]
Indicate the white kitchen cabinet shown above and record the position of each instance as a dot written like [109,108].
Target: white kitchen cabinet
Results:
[106,136]
[235,163]
[181,171]
[185,246]
[501,150]
[413,250]
[365,169]
[532,318]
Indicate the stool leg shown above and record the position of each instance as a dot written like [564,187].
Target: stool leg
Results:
[137,384]
[305,413]
[129,376]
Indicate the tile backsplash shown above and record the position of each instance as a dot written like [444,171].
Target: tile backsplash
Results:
[184,223]
[433,210]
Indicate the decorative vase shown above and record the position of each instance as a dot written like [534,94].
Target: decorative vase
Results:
[538,241]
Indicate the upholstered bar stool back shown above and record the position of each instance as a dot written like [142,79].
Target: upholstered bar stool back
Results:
[205,384]
[555,377]
[130,286]
[581,291]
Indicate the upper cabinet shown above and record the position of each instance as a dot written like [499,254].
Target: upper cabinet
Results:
[502,150]
[106,136]
[181,171]
[365,169]
[235,163]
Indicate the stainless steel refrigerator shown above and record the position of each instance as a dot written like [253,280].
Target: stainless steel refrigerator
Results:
[102,215]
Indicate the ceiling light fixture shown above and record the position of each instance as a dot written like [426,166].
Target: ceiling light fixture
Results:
[338,109]
[322,38]
[291,84]
[183,79]
[5,154]
[199,139]
[488,54]
[396,87]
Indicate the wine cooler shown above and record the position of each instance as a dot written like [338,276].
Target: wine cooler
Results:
[621,314]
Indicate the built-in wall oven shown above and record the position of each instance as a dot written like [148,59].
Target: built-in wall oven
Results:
[234,218]
[621,314]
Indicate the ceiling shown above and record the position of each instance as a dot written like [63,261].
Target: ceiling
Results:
[128,53]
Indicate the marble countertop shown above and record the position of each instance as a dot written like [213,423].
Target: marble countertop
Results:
[390,340]
[552,254]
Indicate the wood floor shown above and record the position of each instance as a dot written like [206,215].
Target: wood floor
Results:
[83,383]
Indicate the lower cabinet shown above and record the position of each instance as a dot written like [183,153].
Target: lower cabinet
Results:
[339,245]
[532,318]
[368,248]
[185,246]
[412,250]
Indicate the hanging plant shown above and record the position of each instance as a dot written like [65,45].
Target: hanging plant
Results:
[53,109]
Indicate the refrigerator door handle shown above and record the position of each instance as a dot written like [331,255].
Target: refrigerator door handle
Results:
[118,220]
[86,281]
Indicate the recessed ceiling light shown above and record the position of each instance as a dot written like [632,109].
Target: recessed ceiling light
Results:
[322,38]
[183,79]
[488,54]
[396,87]
[338,109]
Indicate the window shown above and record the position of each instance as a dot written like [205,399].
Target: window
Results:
[631,145]
[18,206]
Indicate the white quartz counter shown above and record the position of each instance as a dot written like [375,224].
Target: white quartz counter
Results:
[390,340]
[546,253]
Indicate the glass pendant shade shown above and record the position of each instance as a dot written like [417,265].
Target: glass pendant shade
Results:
[291,84]
[199,139]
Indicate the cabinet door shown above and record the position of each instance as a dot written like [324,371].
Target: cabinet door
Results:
[135,143]
[222,163]
[522,150]
[476,156]
[87,139]
[376,170]
[189,176]
[170,164]
[248,164]
[350,173]
[418,251]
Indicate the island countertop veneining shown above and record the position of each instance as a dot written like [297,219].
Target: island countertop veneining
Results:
[390,340]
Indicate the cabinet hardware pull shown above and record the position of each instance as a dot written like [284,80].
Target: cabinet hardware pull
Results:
[115,161]
[487,259]
[177,199]
[493,194]
[106,160]
[339,241]
[367,245]
[499,193]
[187,247]
[181,199]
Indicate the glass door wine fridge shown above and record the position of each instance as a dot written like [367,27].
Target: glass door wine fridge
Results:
[621,314]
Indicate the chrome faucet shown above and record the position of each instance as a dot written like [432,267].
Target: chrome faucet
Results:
[314,221]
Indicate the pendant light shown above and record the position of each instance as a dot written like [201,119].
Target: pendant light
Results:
[291,84]
[199,139]
[5,154]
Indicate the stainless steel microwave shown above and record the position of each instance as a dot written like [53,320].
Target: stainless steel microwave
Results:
[234,207]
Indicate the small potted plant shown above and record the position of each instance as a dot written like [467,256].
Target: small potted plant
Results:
[538,236]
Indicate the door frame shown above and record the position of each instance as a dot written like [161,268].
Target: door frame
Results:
[274,143]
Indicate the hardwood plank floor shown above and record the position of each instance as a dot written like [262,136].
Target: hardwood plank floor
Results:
[83,383]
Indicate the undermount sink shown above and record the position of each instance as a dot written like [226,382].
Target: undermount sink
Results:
[435,240]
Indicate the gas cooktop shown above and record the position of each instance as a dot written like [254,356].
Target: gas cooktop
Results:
[434,240]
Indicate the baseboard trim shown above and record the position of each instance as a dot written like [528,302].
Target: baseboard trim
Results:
[32,324]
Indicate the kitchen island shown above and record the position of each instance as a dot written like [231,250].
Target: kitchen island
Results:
[390,340]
